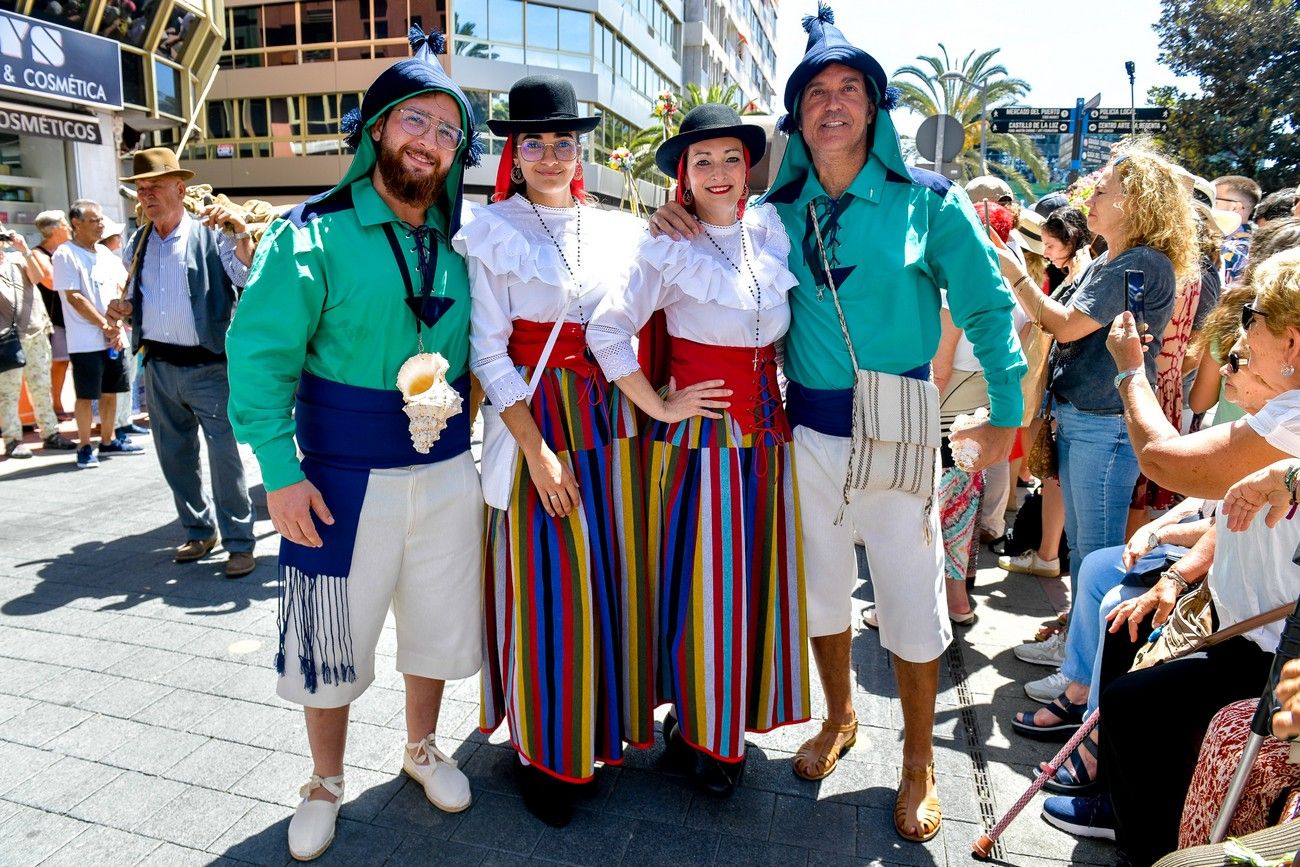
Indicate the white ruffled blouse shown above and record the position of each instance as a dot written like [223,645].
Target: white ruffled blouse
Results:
[517,272]
[703,296]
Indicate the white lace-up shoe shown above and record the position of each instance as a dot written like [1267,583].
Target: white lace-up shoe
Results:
[1029,563]
[1049,652]
[445,785]
[1046,689]
[311,830]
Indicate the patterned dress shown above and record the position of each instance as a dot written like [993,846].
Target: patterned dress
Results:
[725,563]
[566,640]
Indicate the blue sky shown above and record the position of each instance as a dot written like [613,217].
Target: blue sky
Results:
[1064,51]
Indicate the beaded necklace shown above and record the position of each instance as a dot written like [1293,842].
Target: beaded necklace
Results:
[582,317]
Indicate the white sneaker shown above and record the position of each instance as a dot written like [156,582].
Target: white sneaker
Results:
[1029,563]
[311,830]
[1049,652]
[445,785]
[1046,689]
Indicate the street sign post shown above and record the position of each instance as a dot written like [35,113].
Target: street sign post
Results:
[1112,121]
[1027,121]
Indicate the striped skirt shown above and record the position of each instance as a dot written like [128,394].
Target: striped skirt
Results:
[726,568]
[567,647]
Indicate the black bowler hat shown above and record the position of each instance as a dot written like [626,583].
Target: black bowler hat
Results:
[543,103]
[708,121]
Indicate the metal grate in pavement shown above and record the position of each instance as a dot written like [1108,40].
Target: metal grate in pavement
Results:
[979,767]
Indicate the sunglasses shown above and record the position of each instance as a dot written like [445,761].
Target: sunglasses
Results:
[1248,315]
[1236,361]
[532,150]
[417,123]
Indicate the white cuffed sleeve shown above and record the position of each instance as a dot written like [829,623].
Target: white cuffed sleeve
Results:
[489,337]
[621,314]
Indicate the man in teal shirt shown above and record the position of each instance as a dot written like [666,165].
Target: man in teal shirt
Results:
[893,237]
[343,291]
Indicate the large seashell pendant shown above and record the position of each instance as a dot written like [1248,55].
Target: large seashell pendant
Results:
[430,399]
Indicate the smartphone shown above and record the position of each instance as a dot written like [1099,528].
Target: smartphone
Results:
[1134,283]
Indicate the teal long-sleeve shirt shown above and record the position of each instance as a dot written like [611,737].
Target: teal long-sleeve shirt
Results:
[325,295]
[893,243]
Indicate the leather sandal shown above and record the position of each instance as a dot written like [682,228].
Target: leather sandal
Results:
[1069,716]
[1072,777]
[819,755]
[931,816]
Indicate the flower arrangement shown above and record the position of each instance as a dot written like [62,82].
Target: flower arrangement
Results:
[621,161]
[666,104]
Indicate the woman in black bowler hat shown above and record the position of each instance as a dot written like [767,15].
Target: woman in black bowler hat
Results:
[725,561]
[567,640]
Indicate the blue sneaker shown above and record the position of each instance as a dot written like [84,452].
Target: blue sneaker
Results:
[131,429]
[86,458]
[1083,817]
[119,446]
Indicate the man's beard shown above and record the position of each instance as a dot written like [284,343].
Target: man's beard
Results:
[419,191]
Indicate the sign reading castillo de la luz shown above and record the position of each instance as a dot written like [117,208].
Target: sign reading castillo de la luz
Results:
[44,59]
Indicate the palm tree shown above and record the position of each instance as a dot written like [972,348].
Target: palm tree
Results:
[922,90]
[647,139]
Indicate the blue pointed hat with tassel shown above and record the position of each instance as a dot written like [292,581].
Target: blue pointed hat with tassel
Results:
[421,73]
[827,45]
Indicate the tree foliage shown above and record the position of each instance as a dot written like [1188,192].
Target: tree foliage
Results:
[1245,55]
[923,92]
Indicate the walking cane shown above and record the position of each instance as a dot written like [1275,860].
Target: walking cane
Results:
[1288,647]
[982,848]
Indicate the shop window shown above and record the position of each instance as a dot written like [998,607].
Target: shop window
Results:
[321,118]
[352,24]
[253,118]
[317,21]
[280,26]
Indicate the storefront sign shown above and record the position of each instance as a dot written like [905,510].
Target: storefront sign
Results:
[59,62]
[29,120]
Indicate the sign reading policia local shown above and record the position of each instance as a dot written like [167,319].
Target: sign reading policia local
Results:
[47,60]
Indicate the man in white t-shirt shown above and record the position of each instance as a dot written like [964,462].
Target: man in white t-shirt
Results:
[87,276]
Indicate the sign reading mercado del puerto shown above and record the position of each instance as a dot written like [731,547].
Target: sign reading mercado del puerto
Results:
[55,62]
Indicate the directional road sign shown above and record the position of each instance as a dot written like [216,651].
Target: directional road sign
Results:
[1111,127]
[1025,120]
[1027,127]
[1117,114]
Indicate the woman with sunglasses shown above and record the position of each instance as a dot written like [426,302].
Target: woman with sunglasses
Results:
[567,629]
[725,561]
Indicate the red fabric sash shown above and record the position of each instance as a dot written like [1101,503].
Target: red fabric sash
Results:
[528,339]
[756,397]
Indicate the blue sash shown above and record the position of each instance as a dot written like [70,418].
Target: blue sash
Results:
[829,411]
[344,432]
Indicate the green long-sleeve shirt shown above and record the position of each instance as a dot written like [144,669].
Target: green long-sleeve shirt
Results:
[325,295]
[899,238]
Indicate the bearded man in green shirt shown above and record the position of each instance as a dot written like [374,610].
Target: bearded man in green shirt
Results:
[893,237]
[344,290]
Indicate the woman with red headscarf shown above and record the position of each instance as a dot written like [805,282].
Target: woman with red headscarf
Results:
[567,642]
[724,559]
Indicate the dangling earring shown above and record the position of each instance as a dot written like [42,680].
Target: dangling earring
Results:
[688,197]
[517,174]
[1287,369]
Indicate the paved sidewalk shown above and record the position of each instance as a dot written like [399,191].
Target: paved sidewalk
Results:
[139,724]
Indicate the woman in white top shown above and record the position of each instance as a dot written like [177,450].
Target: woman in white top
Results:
[725,561]
[567,642]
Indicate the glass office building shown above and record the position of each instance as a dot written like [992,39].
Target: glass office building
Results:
[291,69]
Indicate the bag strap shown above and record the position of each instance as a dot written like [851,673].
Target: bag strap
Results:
[536,379]
[830,283]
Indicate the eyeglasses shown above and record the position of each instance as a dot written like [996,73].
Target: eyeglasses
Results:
[565,150]
[1231,203]
[1248,315]
[1236,361]
[417,123]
